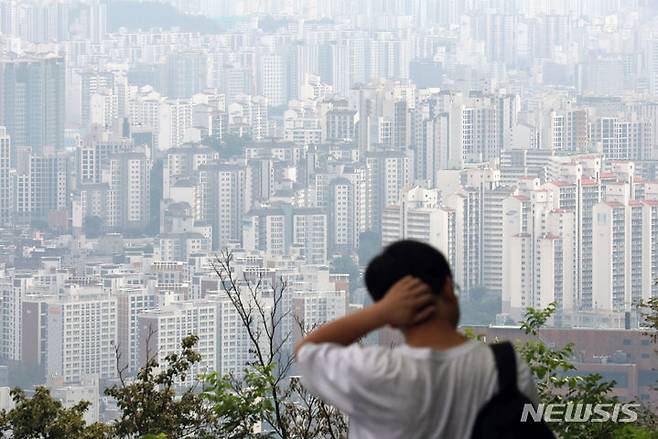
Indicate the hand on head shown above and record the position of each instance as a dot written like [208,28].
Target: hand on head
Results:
[408,302]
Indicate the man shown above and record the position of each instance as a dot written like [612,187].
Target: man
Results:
[434,384]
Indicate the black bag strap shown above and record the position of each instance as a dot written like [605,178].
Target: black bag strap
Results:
[506,364]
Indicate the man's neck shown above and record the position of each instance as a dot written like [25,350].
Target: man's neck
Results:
[436,334]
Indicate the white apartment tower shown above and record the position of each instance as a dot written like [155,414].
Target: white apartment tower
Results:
[235,348]
[128,176]
[80,333]
[623,254]
[342,233]
[222,201]
[468,263]
[314,308]
[131,302]
[161,332]
[175,118]
[387,173]
[272,75]
[6,205]
[623,138]
[310,234]
[14,289]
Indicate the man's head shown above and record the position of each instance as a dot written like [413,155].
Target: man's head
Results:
[414,258]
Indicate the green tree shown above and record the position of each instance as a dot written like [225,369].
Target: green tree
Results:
[558,381]
[149,404]
[44,417]
[240,405]
[291,412]
[649,313]
[634,432]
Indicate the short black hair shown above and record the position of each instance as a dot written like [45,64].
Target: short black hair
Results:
[404,258]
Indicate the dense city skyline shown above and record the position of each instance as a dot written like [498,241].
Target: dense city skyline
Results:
[520,138]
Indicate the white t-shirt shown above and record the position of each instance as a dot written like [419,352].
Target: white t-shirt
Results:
[406,392]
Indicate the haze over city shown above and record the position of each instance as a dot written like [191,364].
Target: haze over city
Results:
[168,167]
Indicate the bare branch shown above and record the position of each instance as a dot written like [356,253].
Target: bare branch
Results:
[121,370]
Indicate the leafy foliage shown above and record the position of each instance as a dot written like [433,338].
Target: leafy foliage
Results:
[267,403]
[42,416]
[292,411]
[309,417]
[558,381]
[649,311]
[634,432]
[240,405]
[150,403]
[536,318]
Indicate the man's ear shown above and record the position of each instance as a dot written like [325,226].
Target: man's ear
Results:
[448,293]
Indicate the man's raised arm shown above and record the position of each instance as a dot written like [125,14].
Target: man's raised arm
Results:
[409,301]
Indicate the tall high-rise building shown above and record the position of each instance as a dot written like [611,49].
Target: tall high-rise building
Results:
[272,82]
[161,331]
[75,333]
[174,118]
[652,67]
[9,18]
[186,75]
[32,99]
[387,172]
[93,156]
[492,236]
[314,308]
[235,81]
[259,176]
[14,288]
[566,131]
[468,265]
[128,176]
[622,262]
[539,258]
[342,205]
[42,184]
[248,116]
[617,139]
[420,216]
[222,202]
[6,207]
[268,230]
[480,138]
[131,302]
[92,82]
[310,234]
[341,123]
[235,348]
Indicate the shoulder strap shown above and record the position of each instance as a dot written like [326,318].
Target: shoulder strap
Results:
[506,364]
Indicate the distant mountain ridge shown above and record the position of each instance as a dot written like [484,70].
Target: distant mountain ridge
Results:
[136,15]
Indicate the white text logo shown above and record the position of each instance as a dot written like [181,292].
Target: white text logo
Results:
[580,412]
